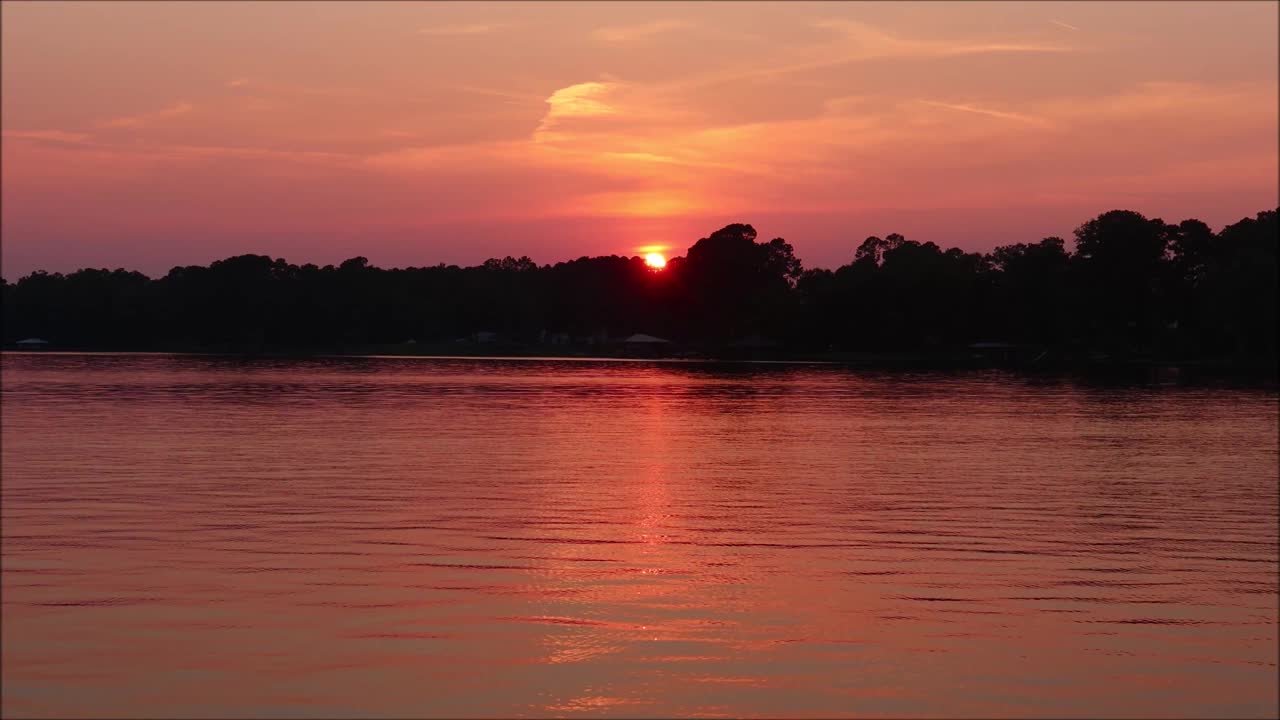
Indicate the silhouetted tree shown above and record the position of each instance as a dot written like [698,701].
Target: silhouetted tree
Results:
[1120,255]
[1033,294]
[1235,302]
[734,286]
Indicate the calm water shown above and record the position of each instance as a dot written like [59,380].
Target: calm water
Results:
[188,536]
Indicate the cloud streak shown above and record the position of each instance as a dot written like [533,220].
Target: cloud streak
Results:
[634,33]
[148,119]
[56,136]
[866,42]
[1017,117]
[463,29]
[860,42]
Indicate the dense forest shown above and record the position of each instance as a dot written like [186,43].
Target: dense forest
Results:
[1127,286]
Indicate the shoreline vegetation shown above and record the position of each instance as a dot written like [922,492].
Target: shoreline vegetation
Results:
[1107,369]
[1131,294]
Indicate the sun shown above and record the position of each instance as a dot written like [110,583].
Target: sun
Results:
[655,261]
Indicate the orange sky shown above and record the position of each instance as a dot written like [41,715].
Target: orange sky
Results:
[153,134]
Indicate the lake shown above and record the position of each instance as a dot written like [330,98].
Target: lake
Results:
[200,536]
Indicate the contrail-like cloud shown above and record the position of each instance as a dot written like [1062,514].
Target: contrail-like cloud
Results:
[1028,119]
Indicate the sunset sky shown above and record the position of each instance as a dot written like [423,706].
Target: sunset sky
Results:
[154,134]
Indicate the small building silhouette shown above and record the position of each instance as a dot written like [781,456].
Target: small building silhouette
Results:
[1005,352]
[642,339]
[641,345]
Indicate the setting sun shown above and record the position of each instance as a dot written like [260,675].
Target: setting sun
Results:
[655,261]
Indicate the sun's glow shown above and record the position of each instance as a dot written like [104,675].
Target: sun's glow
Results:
[655,261]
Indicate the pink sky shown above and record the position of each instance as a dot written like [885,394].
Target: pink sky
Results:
[154,134]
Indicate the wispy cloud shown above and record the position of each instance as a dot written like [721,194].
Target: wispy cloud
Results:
[515,97]
[57,136]
[1018,117]
[632,33]
[586,99]
[136,154]
[465,29]
[866,41]
[1068,26]
[639,157]
[144,119]
[860,42]
[252,153]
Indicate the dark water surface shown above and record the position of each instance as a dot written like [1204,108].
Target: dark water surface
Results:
[203,536]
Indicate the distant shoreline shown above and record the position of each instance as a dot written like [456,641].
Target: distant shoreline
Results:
[1134,295]
[1164,370]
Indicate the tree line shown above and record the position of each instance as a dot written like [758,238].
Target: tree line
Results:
[1127,284]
